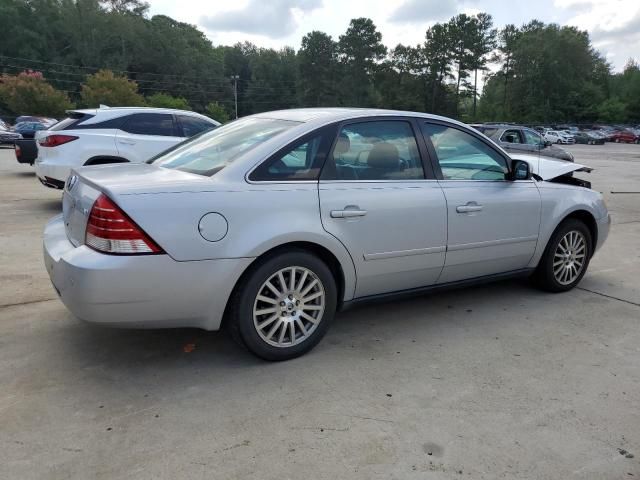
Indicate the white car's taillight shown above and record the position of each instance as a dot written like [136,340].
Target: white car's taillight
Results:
[110,230]
[55,140]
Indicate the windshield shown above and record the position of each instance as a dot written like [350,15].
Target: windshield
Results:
[211,151]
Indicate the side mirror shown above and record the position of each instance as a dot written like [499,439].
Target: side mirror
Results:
[520,170]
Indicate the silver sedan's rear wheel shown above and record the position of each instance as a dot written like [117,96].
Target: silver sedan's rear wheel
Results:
[569,257]
[566,257]
[289,306]
[283,305]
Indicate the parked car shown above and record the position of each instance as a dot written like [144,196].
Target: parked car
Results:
[26,150]
[47,122]
[517,139]
[7,137]
[588,138]
[279,219]
[556,136]
[28,129]
[112,135]
[624,136]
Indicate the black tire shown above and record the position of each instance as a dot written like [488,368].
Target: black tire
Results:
[241,320]
[544,276]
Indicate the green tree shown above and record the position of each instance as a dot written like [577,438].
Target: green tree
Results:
[438,57]
[28,93]
[164,100]
[461,35]
[317,68]
[360,49]
[483,41]
[106,88]
[217,112]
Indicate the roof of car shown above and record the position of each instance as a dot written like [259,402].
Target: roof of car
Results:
[94,111]
[339,113]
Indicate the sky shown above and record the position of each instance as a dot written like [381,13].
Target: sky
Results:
[614,25]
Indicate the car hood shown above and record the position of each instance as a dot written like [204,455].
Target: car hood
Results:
[549,168]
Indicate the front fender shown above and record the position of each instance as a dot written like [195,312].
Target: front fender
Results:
[558,202]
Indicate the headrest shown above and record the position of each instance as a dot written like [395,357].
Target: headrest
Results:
[384,155]
[342,145]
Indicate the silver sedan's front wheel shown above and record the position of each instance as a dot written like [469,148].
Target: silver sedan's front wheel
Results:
[569,258]
[283,305]
[289,306]
[566,257]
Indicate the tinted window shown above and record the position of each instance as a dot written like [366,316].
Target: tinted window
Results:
[150,124]
[384,150]
[193,125]
[211,151]
[462,156]
[532,138]
[511,136]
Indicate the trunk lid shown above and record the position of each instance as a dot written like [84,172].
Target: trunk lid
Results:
[85,184]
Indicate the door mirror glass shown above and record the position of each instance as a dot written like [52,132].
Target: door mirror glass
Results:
[520,170]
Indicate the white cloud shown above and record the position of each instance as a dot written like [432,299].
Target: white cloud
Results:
[424,11]
[273,18]
[613,25]
[276,23]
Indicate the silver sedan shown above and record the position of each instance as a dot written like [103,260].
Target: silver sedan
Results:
[271,223]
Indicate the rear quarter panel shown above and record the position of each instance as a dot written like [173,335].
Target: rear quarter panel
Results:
[259,218]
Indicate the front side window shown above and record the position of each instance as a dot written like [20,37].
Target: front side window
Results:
[193,125]
[211,151]
[380,150]
[150,124]
[532,138]
[462,156]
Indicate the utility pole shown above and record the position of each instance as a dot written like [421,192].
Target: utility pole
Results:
[235,91]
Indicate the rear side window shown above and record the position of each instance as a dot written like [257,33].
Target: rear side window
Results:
[511,136]
[193,125]
[150,124]
[380,150]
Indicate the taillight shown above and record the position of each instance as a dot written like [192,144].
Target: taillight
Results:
[110,230]
[56,140]
[18,151]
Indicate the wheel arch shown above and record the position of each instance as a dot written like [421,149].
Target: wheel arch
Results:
[589,220]
[341,277]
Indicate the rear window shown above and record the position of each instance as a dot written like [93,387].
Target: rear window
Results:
[210,152]
[72,120]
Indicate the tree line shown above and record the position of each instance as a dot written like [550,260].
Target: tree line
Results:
[86,52]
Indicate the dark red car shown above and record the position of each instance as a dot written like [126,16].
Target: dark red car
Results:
[625,136]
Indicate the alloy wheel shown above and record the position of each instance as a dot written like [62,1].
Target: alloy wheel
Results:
[569,258]
[289,306]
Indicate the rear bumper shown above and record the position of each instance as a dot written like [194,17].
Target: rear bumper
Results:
[52,175]
[138,291]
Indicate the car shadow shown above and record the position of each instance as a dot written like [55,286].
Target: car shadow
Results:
[139,355]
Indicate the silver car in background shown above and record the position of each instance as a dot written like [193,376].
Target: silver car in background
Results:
[272,223]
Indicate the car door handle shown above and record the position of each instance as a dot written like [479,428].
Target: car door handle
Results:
[126,142]
[349,211]
[469,207]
